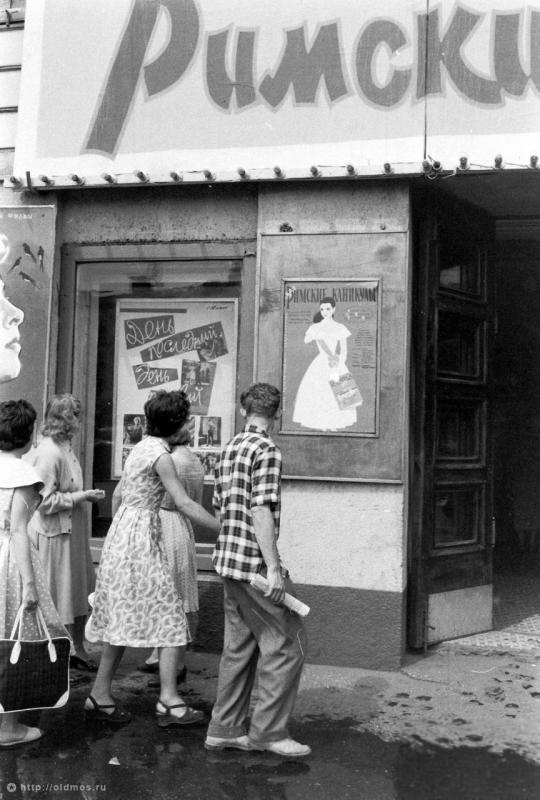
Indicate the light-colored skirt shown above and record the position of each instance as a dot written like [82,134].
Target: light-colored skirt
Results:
[179,547]
[11,595]
[135,602]
[68,568]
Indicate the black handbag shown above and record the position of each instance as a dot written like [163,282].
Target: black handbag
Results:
[34,674]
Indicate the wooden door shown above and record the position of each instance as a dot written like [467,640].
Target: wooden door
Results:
[450,577]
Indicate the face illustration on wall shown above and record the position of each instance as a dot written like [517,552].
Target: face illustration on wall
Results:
[4,248]
[10,319]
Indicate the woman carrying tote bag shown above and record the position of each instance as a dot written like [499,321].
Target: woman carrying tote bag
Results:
[22,581]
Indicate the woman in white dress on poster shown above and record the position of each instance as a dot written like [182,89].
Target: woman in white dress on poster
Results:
[316,406]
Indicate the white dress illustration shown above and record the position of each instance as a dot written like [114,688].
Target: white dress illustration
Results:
[316,406]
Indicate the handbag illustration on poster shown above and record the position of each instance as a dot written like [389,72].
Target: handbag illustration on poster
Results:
[34,674]
[346,391]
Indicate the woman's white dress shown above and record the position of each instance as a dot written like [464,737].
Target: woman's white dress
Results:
[316,406]
[15,473]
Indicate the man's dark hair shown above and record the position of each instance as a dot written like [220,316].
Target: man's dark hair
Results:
[262,399]
[166,412]
[17,418]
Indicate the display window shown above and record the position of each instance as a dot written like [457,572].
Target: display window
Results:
[142,326]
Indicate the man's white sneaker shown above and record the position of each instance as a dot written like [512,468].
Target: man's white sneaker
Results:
[284,747]
[217,743]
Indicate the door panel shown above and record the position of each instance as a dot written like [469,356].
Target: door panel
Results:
[451,551]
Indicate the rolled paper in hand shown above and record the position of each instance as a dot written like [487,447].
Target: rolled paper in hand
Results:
[290,602]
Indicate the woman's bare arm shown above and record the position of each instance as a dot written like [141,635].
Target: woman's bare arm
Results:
[22,507]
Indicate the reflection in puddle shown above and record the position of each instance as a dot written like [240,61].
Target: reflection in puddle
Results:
[141,761]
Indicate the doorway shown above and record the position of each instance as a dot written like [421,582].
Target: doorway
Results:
[487,575]
[452,527]
[516,433]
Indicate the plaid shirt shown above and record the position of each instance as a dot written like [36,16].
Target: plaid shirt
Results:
[248,474]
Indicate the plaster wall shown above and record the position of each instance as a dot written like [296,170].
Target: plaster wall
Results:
[344,535]
[356,207]
[199,213]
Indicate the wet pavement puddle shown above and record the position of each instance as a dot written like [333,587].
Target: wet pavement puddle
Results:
[140,761]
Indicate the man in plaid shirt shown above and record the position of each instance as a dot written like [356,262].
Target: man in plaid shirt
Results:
[260,633]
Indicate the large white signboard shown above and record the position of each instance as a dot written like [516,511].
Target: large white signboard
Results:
[182,85]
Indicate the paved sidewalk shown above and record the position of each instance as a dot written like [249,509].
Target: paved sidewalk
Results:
[448,699]
[516,618]
[520,638]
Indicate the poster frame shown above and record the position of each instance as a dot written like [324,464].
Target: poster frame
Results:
[284,391]
[157,305]
[383,251]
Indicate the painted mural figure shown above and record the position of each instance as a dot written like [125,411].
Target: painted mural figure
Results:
[11,318]
[316,405]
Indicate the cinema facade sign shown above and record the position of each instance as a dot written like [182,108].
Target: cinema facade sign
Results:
[163,85]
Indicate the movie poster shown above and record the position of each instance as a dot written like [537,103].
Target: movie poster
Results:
[176,344]
[26,266]
[331,357]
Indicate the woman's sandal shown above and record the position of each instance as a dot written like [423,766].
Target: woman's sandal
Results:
[98,714]
[164,719]
[85,664]
[30,735]
[150,669]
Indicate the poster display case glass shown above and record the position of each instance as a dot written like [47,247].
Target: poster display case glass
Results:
[143,327]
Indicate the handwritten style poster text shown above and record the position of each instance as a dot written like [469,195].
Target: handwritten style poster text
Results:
[175,344]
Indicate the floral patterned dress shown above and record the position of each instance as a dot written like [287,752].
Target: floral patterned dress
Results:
[14,473]
[135,602]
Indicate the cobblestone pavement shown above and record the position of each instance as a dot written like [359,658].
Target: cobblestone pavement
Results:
[516,615]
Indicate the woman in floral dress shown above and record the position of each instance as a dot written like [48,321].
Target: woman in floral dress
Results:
[22,581]
[178,538]
[136,603]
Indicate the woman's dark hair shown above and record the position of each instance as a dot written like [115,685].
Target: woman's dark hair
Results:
[17,418]
[262,399]
[166,412]
[184,437]
[318,316]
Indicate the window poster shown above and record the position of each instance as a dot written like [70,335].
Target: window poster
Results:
[26,268]
[175,344]
[330,357]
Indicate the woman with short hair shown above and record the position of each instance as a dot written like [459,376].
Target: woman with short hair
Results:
[136,603]
[22,581]
[59,527]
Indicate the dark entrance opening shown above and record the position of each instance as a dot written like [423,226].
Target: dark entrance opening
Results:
[512,202]
[516,434]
